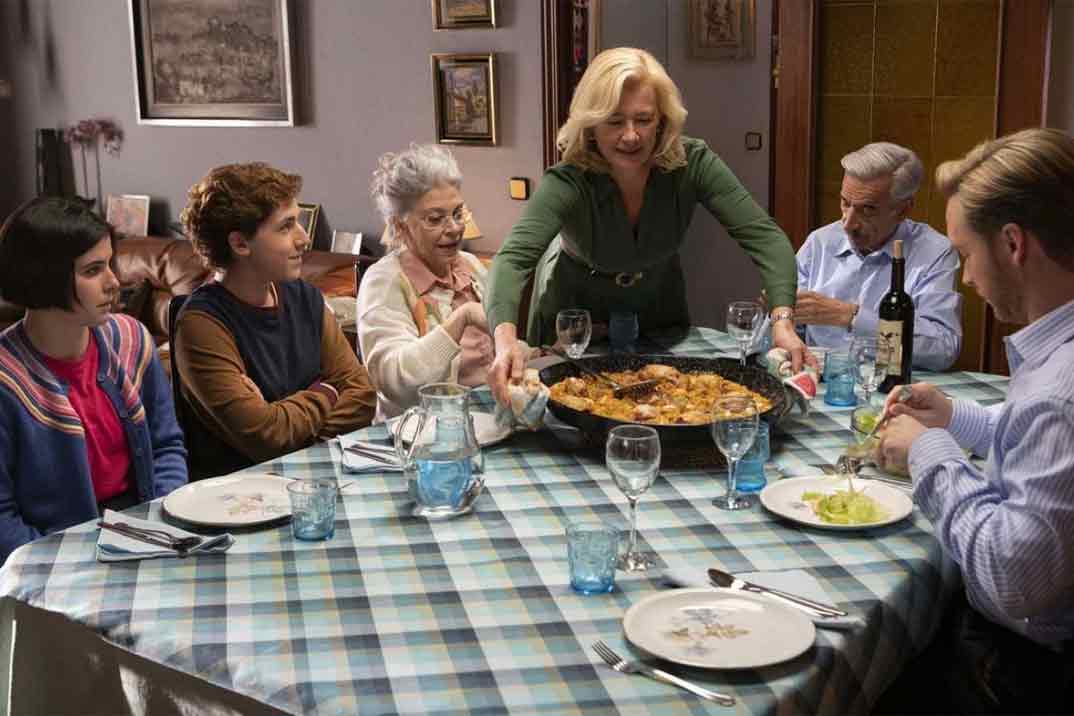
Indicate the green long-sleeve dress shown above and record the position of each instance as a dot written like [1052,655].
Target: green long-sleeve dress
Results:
[585,209]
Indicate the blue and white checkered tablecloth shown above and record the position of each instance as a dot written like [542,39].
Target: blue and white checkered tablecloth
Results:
[397,614]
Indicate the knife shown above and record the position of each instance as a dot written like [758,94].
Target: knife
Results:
[723,579]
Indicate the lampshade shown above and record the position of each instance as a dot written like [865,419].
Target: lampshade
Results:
[471,232]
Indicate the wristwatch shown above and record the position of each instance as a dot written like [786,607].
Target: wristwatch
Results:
[782,313]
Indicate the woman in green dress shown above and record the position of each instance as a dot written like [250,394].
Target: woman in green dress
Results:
[620,202]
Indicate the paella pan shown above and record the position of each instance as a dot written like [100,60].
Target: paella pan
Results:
[751,377]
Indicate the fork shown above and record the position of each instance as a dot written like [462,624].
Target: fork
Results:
[182,545]
[636,667]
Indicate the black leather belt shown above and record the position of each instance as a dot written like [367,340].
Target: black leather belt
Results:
[623,279]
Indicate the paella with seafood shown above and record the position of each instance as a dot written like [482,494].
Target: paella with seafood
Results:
[680,398]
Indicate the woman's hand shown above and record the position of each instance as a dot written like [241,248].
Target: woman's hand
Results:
[927,405]
[468,314]
[509,363]
[783,336]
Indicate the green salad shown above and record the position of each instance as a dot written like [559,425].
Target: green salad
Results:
[845,507]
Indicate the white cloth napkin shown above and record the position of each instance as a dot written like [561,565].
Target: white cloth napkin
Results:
[355,463]
[795,581]
[114,547]
[528,400]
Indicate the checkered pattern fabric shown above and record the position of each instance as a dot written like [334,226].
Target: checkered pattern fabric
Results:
[396,614]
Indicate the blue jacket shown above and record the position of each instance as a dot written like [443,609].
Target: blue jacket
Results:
[45,483]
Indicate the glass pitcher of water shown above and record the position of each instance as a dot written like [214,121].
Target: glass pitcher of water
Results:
[439,452]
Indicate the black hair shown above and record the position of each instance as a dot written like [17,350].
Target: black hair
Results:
[39,243]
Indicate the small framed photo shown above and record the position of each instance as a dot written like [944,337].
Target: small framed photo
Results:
[465,96]
[128,214]
[307,219]
[722,29]
[346,242]
[463,14]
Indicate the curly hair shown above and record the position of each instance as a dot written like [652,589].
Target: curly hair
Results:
[234,197]
[597,97]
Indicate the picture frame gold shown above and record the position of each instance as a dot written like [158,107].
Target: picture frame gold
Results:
[206,63]
[463,14]
[722,29]
[307,219]
[464,89]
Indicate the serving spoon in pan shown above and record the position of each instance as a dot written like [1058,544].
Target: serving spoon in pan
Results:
[634,390]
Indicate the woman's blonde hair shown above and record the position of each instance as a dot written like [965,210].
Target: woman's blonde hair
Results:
[1025,178]
[597,97]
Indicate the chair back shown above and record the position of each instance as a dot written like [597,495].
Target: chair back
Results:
[182,410]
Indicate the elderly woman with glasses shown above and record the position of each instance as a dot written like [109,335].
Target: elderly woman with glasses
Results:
[420,313]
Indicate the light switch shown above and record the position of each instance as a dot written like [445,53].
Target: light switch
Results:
[519,188]
[753,141]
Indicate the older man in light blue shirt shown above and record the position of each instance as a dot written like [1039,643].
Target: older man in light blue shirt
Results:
[1010,526]
[844,268]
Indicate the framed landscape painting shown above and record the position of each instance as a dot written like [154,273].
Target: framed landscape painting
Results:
[462,14]
[465,96]
[212,62]
[128,214]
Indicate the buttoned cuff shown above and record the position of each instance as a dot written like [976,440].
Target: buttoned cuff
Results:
[931,449]
[969,423]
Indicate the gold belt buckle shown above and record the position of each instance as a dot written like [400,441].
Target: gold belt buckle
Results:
[626,280]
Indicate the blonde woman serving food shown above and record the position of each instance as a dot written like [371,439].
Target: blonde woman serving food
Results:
[620,202]
[420,313]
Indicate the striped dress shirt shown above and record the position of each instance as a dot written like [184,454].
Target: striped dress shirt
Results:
[1010,527]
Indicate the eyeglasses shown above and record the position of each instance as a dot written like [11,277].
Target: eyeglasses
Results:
[438,221]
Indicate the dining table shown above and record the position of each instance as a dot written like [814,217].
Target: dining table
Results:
[398,614]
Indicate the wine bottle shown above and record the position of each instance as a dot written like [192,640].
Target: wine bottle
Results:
[897,324]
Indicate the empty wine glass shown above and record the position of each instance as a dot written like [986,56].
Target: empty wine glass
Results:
[734,428]
[633,457]
[744,319]
[574,328]
[869,355]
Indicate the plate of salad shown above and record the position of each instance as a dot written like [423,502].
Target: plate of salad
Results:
[838,503]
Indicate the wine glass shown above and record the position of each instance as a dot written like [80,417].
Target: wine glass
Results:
[744,319]
[869,355]
[734,428]
[633,456]
[574,328]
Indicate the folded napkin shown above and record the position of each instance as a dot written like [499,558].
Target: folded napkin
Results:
[115,547]
[357,463]
[528,400]
[803,385]
[795,581]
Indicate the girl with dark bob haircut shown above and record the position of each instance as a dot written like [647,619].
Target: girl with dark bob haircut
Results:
[86,415]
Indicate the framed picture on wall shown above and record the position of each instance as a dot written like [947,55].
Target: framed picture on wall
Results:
[465,96]
[462,14]
[346,242]
[212,63]
[722,29]
[307,219]
[128,214]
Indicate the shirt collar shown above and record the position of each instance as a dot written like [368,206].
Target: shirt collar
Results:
[1041,338]
[845,247]
[423,280]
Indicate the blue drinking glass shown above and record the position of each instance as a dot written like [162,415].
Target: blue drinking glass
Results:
[749,474]
[592,551]
[313,508]
[839,380]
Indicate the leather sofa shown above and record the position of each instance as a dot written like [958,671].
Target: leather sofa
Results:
[151,270]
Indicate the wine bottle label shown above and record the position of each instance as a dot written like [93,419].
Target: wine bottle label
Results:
[891,332]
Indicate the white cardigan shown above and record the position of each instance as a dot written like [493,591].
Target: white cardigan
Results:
[400,361]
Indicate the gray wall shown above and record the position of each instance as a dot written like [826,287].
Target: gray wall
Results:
[725,100]
[363,87]
[1061,80]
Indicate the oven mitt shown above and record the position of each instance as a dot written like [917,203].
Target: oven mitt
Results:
[803,385]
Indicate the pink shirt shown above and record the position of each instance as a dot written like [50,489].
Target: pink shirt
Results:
[441,296]
[106,444]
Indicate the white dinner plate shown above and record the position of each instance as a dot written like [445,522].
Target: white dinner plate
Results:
[717,628]
[784,497]
[486,429]
[231,501]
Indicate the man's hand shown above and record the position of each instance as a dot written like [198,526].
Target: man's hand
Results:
[820,310]
[783,336]
[927,405]
[894,451]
